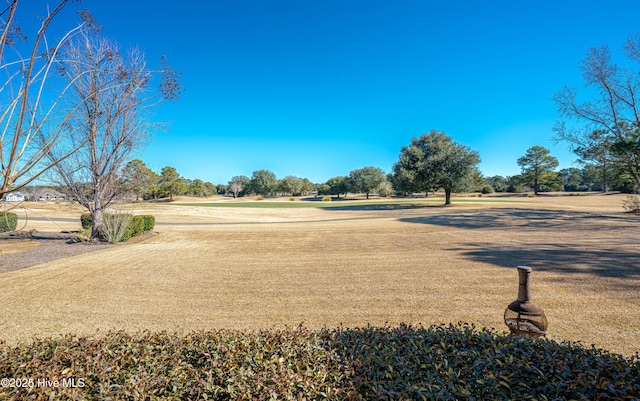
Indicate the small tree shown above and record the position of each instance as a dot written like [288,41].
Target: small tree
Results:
[113,120]
[138,178]
[209,189]
[537,168]
[290,185]
[367,180]
[238,183]
[435,161]
[171,183]
[337,185]
[263,182]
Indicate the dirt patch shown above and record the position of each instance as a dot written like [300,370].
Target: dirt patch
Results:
[50,246]
[30,249]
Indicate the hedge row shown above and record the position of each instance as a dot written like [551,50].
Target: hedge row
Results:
[435,363]
[138,225]
[8,221]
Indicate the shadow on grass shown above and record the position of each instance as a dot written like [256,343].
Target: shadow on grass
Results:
[528,220]
[587,243]
[383,206]
[559,258]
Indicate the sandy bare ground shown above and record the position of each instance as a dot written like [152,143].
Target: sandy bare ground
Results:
[255,268]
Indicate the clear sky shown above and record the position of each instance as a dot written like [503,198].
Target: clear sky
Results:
[319,88]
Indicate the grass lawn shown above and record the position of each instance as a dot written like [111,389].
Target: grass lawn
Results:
[248,268]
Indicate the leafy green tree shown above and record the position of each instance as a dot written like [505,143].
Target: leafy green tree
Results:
[498,183]
[435,161]
[367,179]
[323,189]
[291,185]
[238,184]
[196,187]
[538,168]
[572,179]
[307,186]
[337,185]
[222,189]
[263,182]
[209,189]
[138,178]
[171,183]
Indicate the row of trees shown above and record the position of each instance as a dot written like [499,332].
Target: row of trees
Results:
[539,174]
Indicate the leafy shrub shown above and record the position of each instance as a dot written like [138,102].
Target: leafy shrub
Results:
[487,189]
[260,197]
[434,363]
[531,195]
[149,222]
[112,225]
[84,234]
[115,226]
[292,199]
[326,199]
[86,220]
[631,204]
[8,221]
[134,228]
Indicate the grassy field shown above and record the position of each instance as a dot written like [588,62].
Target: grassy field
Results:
[250,268]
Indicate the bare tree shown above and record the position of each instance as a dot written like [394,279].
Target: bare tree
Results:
[33,113]
[611,117]
[114,119]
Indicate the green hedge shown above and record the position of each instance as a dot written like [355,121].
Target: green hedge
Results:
[8,221]
[149,222]
[86,220]
[135,228]
[138,225]
[435,363]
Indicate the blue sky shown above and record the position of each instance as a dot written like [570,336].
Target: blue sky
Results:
[319,88]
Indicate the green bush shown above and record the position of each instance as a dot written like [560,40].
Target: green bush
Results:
[86,220]
[8,221]
[149,222]
[135,228]
[433,363]
[487,189]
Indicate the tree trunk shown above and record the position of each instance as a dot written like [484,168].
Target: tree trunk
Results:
[447,196]
[367,195]
[96,217]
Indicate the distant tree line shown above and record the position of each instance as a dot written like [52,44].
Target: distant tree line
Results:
[432,162]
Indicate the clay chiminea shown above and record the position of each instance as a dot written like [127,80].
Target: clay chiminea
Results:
[523,316]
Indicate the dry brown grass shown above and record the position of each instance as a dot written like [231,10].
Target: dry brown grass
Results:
[256,268]
[10,246]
